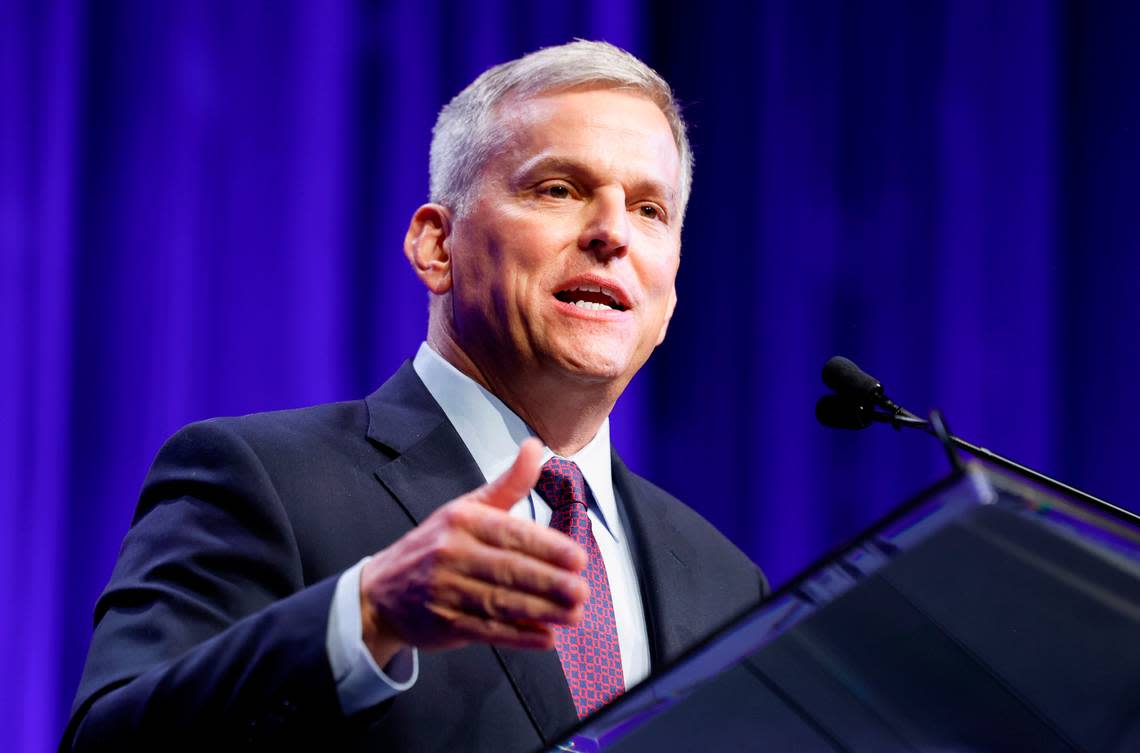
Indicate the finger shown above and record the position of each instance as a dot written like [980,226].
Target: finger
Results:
[484,600]
[519,572]
[515,482]
[527,537]
[470,628]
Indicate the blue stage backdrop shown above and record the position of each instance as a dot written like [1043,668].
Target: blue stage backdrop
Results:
[202,206]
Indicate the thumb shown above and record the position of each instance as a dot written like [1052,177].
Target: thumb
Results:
[515,482]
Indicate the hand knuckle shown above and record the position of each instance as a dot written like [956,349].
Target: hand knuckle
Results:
[446,552]
[452,545]
[504,572]
[513,537]
[493,603]
[437,584]
[456,514]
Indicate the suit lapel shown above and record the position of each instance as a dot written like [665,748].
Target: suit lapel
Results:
[430,473]
[660,555]
[430,467]
[538,679]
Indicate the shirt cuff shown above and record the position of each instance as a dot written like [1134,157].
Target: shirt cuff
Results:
[360,683]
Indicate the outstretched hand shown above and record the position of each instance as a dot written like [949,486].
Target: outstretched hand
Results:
[472,573]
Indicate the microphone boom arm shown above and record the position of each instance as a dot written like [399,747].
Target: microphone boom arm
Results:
[910,421]
[853,406]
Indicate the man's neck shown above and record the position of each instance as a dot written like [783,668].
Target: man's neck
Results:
[564,413]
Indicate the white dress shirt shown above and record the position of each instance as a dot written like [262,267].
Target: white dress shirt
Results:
[492,434]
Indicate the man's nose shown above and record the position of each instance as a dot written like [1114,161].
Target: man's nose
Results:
[606,233]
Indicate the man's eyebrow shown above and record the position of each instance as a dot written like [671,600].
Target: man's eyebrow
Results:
[551,163]
[572,166]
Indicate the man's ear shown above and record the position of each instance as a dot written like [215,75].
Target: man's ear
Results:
[426,246]
[668,315]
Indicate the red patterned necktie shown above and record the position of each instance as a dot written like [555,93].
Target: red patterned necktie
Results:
[591,659]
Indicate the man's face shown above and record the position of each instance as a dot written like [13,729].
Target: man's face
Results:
[567,255]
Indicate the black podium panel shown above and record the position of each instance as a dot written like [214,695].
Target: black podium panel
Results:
[984,621]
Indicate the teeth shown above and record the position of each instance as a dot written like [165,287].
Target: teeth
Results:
[573,295]
[598,289]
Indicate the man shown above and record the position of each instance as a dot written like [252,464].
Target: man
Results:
[236,616]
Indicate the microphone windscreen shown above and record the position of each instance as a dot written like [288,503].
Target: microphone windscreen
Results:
[843,376]
[836,412]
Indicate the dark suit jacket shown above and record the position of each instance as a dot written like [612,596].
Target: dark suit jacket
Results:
[211,632]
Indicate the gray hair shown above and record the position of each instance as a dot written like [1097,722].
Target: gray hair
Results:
[465,138]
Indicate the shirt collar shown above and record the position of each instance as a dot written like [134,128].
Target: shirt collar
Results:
[493,432]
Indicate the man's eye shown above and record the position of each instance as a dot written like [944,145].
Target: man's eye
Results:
[650,212]
[557,191]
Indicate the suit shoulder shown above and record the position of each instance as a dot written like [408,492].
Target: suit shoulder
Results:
[313,429]
[309,473]
[663,503]
[286,449]
[336,417]
[707,542]
[650,489]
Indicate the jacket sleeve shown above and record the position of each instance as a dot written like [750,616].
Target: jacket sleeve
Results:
[207,635]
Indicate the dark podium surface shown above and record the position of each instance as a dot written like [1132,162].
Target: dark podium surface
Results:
[989,614]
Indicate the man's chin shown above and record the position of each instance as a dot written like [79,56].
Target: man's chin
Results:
[599,368]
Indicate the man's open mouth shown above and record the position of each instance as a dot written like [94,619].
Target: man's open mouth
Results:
[594,297]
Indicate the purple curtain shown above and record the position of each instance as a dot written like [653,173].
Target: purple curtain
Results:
[202,206]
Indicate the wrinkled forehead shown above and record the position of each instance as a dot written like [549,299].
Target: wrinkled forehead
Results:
[615,130]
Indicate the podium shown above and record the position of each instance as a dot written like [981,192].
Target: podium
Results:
[989,614]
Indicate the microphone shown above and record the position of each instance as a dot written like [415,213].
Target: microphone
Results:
[845,378]
[837,412]
[849,381]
